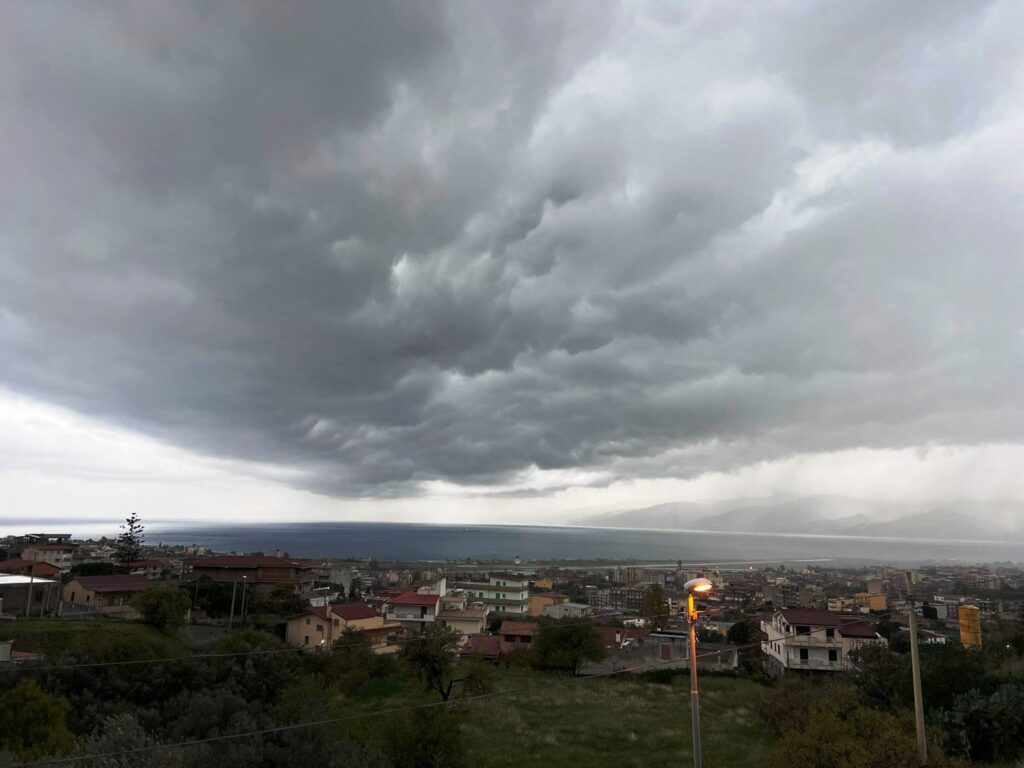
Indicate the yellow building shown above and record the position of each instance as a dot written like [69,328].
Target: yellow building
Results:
[320,626]
[871,601]
[544,584]
[539,602]
[970,626]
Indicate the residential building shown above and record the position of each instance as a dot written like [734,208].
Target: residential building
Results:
[566,610]
[517,635]
[414,611]
[538,602]
[260,573]
[482,647]
[21,567]
[108,595]
[151,569]
[870,601]
[815,640]
[25,595]
[59,554]
[506,593]
[319,626]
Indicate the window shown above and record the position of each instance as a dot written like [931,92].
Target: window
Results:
[305,640]
[307,622]
[320,628]
[830,633]
[803,630]
[803,654]
[72,597]
[833,655]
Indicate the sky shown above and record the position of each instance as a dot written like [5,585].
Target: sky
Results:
[503,262]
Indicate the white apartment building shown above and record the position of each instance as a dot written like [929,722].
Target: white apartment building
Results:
[507,593]
[814,640]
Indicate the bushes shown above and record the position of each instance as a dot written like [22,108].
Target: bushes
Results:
[163,607]
[566,646]
[33,724]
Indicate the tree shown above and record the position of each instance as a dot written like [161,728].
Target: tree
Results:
[655,608]
[433,656]
[122,733]
[129,542]
[284,601]
[743,632]
[839,732]
[33,724]
[428,738]
[163,607]
[566,645]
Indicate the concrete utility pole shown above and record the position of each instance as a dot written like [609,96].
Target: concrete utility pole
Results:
[244,582]
[231,618]
[915,661]
[31,580]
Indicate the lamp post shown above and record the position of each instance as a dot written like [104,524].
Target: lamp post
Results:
[692,587]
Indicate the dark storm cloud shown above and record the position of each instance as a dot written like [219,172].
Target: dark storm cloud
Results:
[388,243]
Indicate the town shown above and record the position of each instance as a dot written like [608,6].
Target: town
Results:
[759,625]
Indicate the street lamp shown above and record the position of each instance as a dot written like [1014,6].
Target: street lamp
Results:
[694,587]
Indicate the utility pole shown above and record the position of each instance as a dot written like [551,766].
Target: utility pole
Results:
[31,580]
[244,582]
[915,661]
[231,618]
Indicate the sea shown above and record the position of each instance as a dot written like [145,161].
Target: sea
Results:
[508,543]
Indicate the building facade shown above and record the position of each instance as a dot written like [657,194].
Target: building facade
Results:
[814,640]
[506,593]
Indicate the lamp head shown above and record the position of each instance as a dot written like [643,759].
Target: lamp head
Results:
[697,586]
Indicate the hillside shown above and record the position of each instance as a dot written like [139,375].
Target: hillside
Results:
[826,515]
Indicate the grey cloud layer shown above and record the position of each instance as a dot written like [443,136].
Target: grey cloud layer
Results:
[390,243]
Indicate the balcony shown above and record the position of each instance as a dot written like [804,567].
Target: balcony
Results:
[818,664]
[816,639]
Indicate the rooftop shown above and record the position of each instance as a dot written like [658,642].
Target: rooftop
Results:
[115,583]
[353,611]
[11,580]
[519,628]
[414,598]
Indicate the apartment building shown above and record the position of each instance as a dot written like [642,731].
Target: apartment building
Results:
[814,640]
[507,593]
[260,572]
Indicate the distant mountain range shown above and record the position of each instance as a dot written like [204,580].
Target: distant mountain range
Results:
[829,515]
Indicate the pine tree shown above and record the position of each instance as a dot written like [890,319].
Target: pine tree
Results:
[129,542]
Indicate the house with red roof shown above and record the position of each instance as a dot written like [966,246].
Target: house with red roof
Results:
[813,640]
[517,635]
[321,626]
[21,567]
[109,595]
[260,572]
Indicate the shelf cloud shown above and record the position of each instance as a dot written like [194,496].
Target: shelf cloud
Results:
[391,248]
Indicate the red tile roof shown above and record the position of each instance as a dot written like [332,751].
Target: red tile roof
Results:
[115,583]
[414,598]
[17,565]
[353,611]
[810,616]
[485,646]
[519,628]
[858,629]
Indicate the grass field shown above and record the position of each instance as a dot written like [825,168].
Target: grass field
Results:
[621,721]
[97,636]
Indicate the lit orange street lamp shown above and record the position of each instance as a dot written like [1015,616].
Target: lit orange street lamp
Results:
[692,587]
